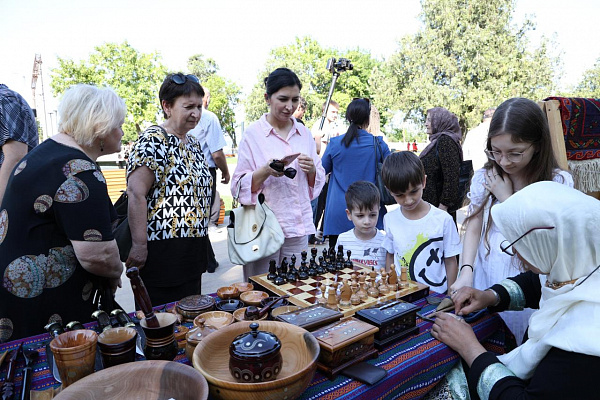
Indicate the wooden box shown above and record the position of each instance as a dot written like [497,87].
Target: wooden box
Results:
[344,343]
[395,320]
[311,317]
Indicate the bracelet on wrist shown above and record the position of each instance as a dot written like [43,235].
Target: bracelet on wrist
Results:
[466,265]
[496,295]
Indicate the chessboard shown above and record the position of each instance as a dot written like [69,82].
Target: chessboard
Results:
[304,293]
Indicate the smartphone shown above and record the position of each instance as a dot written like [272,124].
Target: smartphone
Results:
[287,160]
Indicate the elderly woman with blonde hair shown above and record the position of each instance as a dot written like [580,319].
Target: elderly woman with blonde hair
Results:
[56,240]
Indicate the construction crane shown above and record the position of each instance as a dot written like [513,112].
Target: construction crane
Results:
[37,71]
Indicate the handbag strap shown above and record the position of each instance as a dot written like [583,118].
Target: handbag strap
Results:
[236,197]
[260,202]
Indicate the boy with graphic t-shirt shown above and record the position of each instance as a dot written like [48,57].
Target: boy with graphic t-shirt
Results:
[365,240]
[419,236]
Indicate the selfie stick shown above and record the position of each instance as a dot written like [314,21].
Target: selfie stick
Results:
[336,74]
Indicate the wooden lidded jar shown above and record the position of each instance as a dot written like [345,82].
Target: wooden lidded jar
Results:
[255,356]
[195,335]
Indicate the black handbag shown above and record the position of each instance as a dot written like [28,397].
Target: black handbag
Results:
[122,232]
[384,194]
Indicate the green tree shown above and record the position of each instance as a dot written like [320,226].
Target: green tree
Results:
[135,76]
[590,82]
[467,57]
[308,59]
[224,94]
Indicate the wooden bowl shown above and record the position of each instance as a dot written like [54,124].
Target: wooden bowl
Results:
[243,286]
[239,315]
[228,292]
[155,379]
[218,319]
[229,305]
[253,297]
[282,310]
[299,350]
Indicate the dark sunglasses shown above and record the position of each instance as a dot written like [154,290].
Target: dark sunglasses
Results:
[508,249]
[180,79]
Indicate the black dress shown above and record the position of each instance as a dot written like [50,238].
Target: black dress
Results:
[54,195]
[560,374]
[442,170]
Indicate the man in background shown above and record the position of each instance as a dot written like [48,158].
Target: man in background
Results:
[476,140]
[301,110]
[210,135]
[18,132]
[331,128]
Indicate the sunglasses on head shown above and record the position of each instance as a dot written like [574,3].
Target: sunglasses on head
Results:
[180,79]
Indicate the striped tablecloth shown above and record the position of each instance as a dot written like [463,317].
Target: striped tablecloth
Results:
[414,364]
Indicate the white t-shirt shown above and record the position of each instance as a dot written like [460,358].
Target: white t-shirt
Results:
[368,252]
[421,245]
[210,135]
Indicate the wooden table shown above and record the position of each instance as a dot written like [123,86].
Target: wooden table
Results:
[415,365]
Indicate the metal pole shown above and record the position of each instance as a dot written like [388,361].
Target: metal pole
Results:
[333,80]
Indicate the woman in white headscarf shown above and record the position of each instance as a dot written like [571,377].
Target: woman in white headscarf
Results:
[553,230]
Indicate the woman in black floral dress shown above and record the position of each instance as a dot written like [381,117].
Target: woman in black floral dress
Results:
[169,190]
[56,241]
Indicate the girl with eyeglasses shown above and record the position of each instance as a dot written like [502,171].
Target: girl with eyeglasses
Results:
[519,151]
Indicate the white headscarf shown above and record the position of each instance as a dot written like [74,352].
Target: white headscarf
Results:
[569,317]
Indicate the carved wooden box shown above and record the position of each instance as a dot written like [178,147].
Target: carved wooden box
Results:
[344,343]
[395,320]
[311,317]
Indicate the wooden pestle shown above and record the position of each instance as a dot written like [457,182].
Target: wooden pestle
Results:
[253,313]
[141,297]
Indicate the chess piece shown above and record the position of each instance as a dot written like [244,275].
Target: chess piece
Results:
[403,277]
[272,271]
[332,298]
[373,275]
[355,298]
[325,254]
[303,255]
[313,252]
[321,266]
[340,254]
[284,266]
[292,275]
[362,291]
[280,278]
[349,253]
[383,287]
[321,299]
[345,295]
[393,280]
[312,268]
[293,259]
[303,271]
[373,291]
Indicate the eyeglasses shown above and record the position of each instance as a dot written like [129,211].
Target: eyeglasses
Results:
[508,248]
[180,79]
[513,156]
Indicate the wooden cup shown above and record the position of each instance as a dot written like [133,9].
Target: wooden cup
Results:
[75,354]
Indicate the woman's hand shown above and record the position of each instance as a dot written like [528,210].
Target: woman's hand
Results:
[465,278]
[500,186]
[467,300]
[458,335]
[268,171]
[137,256]
[306,164]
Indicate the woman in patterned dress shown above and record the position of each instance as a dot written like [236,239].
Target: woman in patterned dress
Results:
[56,240]
[168,185]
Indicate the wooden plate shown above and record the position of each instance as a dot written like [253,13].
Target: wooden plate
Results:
[299,351]
[148,380]
[218,319]
[253,297]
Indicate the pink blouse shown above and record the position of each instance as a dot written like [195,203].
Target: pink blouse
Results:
[288,198]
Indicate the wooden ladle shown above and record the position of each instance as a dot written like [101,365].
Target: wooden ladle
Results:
[252,313]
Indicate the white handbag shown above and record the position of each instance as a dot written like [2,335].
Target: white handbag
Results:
[253,232]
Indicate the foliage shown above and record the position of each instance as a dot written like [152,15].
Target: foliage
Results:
[590,83]
[135,77]
[308,59]
[467,57]
[224,94]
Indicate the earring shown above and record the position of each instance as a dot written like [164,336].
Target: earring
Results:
[101,145]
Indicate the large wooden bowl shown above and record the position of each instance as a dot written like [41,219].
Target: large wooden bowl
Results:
[299,350]
[147,380]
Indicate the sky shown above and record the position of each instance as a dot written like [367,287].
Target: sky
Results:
[239,34]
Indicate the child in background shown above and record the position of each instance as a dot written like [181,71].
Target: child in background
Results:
[519,150]
[365,240]
[418,236]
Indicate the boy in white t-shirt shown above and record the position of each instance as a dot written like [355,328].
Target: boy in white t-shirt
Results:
[419,236]
[365,240]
